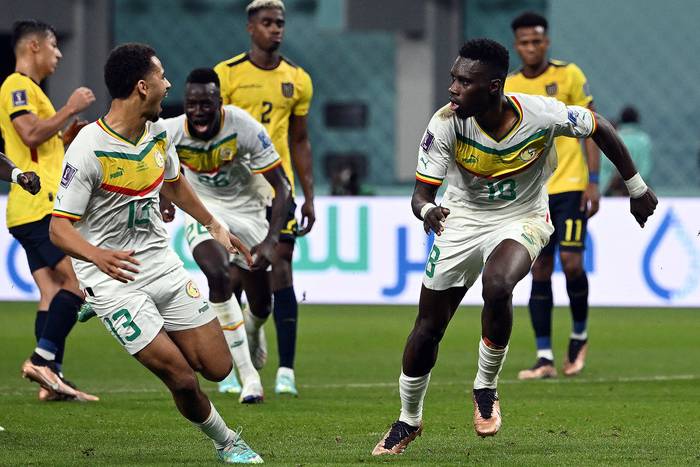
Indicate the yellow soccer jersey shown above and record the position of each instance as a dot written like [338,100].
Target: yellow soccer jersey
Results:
[567,83]
[20,95]
[270,96]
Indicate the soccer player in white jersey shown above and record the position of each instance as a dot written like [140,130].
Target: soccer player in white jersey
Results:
[229,159]
[106,218]
[495,151]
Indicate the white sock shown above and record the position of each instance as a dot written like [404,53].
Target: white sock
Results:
[412,391]
[284,371]
[216,429]
[231,320]
[545,353]
[254,323]
[45,354]
[580,336]
[490,364]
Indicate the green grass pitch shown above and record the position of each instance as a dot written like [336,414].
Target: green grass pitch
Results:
[637,402]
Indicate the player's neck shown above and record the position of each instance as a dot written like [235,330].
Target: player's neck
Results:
[264,59]
[27,68]
[498,120]
[533,71]
[126,120]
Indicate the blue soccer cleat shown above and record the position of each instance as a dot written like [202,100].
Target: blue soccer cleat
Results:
[238,452]
[230,385]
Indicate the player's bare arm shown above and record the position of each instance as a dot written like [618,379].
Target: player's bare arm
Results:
[300,149]
[116,264]
[29,181]
[642,202]
[590,201]
[265,251]
[167,209]
[424,208]
[181,193]
[35,131]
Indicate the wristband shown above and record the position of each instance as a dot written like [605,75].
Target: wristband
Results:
[593,177]
[424,210]
[636,186]
[16,172]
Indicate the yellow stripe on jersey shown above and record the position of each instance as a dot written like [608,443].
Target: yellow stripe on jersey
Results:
[66,215]
[428,179]
[209,160]
[132,174]
[487,162]
[518,110]
[268,167]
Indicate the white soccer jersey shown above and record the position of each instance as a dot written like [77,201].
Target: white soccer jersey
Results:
[506,177]
[227,167]
[109,188]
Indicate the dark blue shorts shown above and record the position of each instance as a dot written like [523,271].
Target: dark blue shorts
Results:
[291,227]
[569,223]
[34,238]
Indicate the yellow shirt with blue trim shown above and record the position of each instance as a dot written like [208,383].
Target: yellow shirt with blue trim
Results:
[567,83]
[503,177]
[270,96]
[109,188]
[20,95]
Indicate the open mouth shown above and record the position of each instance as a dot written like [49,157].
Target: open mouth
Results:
[453,106]
[200,127]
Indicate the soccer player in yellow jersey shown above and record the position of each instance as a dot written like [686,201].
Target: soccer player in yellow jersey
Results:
[573,197]
[278,94]
[33,141]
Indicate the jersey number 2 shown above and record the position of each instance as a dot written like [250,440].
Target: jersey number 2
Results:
[267,108]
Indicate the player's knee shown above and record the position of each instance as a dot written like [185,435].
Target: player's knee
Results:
[218,278]
[497,288]
[429,331]
[183,385]
[572,265]
[218,371]
[542,268]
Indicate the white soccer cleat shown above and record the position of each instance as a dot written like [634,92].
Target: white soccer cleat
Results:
[230,384]
[252,392]
[257,343]
[285,383]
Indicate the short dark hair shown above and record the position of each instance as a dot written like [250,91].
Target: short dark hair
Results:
[126,65]
[25,27]
[629,115]
[489,52]
[203,76]
[529,19]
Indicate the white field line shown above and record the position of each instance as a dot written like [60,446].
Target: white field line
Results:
[7,391]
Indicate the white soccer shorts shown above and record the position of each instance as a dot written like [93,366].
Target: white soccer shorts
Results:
[250,226]
[459,254]
[134,316]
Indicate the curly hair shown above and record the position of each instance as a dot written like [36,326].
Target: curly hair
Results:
[126,65]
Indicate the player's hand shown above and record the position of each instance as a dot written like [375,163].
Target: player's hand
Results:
[308,217]
[116,263]
[30,181]
[644,206]
[590,200]
[72,131]
[167,209]
[230,242]
[264,254]
[80,100]
[435,220]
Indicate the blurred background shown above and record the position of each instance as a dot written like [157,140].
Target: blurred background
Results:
[380,69]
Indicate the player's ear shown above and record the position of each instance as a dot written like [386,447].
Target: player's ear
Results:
[142,87]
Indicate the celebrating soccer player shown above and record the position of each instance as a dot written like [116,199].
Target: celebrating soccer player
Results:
[223,149]
[573,198]
[278,93]
[106,217]
[496,152]
[33,140]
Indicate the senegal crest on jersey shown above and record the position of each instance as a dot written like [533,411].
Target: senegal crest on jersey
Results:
[133,174]
[209,159]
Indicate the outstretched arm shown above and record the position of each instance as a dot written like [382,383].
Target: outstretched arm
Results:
[424,208]
[300,149]
[642,199]
[265,251]
[180,192]
[10,173]
[590,201]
